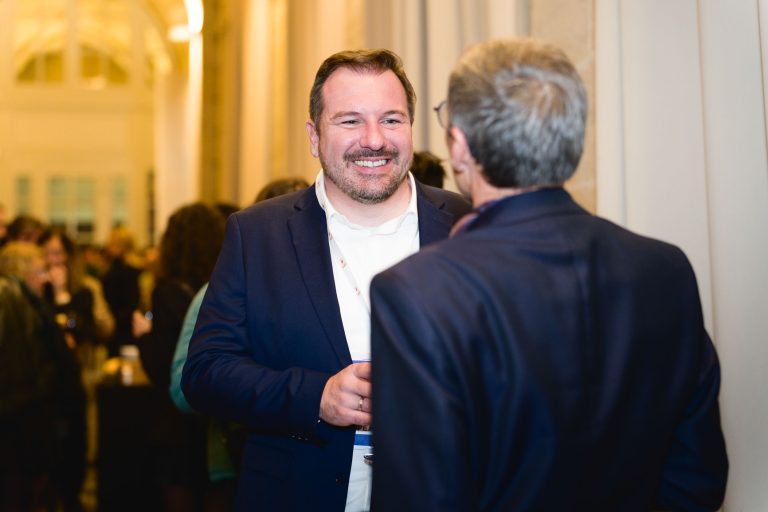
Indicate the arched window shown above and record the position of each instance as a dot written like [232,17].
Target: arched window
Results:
[90,43]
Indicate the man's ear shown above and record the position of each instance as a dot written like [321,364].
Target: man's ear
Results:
[314,139]
[458,148]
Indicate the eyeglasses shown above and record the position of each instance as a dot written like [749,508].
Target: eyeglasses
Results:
[441,111]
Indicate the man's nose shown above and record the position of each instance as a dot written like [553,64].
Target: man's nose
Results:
[373,137]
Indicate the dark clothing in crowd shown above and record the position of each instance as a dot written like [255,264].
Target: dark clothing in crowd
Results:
[42,406]
[121,291]
[76,316]
[178,440]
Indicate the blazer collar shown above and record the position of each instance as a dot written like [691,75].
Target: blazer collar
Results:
[528,206]
[309,234]
[435,220]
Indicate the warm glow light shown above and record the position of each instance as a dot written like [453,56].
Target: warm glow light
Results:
[179,33]
[194,15]
[183,33]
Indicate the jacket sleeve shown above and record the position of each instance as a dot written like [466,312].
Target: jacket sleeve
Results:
[226,374]
[696,469]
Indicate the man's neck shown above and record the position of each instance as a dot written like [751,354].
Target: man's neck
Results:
[370,215]
[483,192]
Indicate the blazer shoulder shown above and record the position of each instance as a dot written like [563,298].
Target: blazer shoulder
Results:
[445,199]
[279,207]
[643,246]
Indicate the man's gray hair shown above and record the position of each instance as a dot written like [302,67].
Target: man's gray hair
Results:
[523,108]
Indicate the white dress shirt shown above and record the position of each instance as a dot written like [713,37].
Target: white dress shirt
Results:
[358,253]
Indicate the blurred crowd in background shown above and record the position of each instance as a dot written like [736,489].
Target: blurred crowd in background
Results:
[87,337]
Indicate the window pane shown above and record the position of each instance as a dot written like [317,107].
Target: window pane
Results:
[119,202]
[90,63]
[53,67]
[115,73]
[39,40]
[28,72]
[104,34]
[85,200]
[57,201]
[23,195]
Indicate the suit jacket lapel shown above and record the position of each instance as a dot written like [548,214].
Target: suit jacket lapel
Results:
[309,234]
[434,221]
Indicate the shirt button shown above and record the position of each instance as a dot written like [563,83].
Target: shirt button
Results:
[341,478]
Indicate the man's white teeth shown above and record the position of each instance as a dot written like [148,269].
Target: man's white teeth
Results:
[369,163]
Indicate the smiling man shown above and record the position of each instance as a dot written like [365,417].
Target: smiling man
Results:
[282,343]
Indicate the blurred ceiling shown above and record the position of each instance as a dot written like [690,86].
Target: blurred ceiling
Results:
[42,27]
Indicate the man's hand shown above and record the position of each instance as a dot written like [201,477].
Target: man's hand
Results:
[346,397]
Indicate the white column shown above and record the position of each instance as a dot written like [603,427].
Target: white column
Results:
[178,96]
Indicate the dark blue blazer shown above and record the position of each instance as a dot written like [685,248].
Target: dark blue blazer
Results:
[268,337]
[544,359]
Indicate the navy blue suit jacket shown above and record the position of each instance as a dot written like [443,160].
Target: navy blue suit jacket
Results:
[544,359]
[268,337]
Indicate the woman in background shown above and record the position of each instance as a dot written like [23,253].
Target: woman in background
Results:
[76,297]
[42,401]
[188,252]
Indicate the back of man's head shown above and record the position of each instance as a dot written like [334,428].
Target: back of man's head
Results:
[523,107]
[279,187]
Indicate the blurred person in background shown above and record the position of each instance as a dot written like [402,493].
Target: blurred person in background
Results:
[43,401]
[26,413]
[187,254]
[24,228]
[121,286]
[3,224]
[80,310]
[95,259]
[226,208]
[225,439]
[77,298]
[427,168]
[280,186]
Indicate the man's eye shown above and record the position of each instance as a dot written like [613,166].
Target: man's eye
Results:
[392,121]
[349,122]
